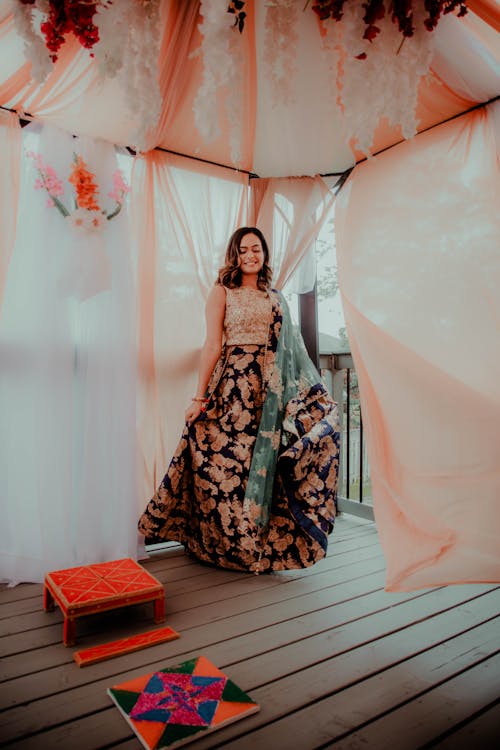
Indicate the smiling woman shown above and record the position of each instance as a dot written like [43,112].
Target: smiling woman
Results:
[251,258]
[252,483]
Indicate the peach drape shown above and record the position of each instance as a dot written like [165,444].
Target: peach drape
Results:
[180,76]
[301,133]
[10,158]
[179,20]
[290,211]
[488,10]
[70,77]
[418,233]
[182,216]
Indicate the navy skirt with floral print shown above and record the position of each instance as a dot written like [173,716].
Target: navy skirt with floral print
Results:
[200,500]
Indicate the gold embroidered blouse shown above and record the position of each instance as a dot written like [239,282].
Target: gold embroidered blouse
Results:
[248,312]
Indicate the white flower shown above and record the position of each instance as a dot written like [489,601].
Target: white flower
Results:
[82,220]
[222,69]
[379,78]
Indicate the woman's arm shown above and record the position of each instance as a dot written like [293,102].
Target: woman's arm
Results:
[210,353]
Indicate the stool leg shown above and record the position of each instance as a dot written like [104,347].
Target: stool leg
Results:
[159,611]
[48,601]
[69,632]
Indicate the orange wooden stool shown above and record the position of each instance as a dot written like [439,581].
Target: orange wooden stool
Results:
[89,589]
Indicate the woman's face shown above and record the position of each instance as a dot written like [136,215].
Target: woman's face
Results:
[251,254]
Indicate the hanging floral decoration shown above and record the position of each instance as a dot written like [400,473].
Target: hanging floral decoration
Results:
[236,8]
[378,76]
[401,13]
[281,40]
[222,71]
[70,17]
[122,35]
[374,73]
[86,215]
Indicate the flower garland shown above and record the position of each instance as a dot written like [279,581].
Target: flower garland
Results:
[69,17]
[280,46]
[122,35]
[375,74]
[87,215]
[222,69]
[402,12]
[381,78]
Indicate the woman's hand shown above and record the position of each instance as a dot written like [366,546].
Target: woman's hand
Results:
[194,410]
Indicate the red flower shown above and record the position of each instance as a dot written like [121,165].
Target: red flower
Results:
[69,17]
[371,32]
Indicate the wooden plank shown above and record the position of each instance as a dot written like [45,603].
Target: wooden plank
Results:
[36,632]
[47,657]
[19,592]
[260,589]
[51,681]
[483,731]
[137,617]
[112,649]
[170,575]
[256,670]
[141,621]
[96,730]
[438,709]
[171,559]
[351,567]
[229,650]
[360,682]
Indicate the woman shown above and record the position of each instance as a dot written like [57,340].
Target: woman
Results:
[252,484]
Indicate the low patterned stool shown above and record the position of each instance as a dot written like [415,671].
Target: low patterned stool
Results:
[89,589]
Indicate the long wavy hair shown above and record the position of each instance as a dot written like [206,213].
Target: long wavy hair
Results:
[230,274]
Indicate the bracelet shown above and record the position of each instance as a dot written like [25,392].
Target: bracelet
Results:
[200,399]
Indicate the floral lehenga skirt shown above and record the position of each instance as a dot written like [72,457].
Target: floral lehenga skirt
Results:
[201,498]
[200,501]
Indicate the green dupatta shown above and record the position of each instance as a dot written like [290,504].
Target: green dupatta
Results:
[288,372]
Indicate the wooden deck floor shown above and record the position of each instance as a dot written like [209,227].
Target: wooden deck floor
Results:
[334,661]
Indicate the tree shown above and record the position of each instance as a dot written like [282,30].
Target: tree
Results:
[327,284]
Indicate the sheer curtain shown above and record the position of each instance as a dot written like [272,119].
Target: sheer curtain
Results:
[290,211]
[67,390]
[183,215]
[10,156]
[418,233]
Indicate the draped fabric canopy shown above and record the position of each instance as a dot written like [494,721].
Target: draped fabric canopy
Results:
[304,135]
[98,350]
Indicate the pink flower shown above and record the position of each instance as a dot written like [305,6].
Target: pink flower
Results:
[120,187]
[91,217]
[53,186]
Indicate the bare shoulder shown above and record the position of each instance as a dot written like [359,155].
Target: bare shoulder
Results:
[216,302]
[217,297]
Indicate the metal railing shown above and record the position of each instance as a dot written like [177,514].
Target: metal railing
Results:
[354,486]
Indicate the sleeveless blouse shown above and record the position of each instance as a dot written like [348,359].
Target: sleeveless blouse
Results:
[247,317]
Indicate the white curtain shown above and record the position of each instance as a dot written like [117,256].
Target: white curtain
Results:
[67,378]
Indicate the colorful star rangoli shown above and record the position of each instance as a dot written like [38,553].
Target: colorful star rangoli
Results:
[172,706]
